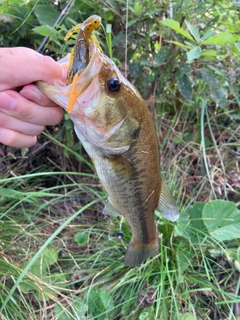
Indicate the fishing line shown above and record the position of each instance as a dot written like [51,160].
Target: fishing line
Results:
[120,233]
[126,38]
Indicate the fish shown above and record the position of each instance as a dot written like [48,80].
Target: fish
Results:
[115,127]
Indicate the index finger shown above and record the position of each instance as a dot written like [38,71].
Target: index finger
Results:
[20,66]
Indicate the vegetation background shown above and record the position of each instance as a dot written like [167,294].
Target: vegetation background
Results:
[59,256]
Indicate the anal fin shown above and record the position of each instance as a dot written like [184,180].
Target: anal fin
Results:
[167,205]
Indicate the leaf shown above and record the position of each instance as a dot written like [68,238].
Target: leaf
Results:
[180,228]
[62,313]
[49,256]
[118,39]
[46,14]
[196,219]
[178,138]
[185,87]
[106,299]
[222,219]
[209,53]
[219,96]
[131,22]
[138,8]
[46,31]
[100,303]
[176,27]
[82,238]
[207,34]
[162,55]
[220,39]
[195,53]
[193,30]
[209,78]
[79,308]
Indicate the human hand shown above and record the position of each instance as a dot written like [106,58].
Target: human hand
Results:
[26,111]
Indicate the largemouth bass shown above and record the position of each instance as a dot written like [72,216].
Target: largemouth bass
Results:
[115,127]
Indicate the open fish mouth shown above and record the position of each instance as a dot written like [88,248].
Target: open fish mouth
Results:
[71,97]
[84,78]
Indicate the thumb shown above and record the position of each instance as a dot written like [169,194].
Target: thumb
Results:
[21,66]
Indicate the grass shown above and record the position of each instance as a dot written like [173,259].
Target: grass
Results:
[193,277]
[60,257]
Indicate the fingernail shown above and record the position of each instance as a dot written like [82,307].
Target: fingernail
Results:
[6,101]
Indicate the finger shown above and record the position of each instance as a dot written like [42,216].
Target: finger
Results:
[16,139]
[14,124]
[31,92]
[21,66]
[17,106]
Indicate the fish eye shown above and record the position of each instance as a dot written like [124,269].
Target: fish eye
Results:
[113,84]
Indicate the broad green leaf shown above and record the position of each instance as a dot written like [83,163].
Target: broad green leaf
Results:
[27,285]
[79,308]
[184,69]
[209,53]
[209,78]
[46,14]
[207,34]
[222,219]
[174,25]
[162,55]
[219,96]
[220,39]
[49,256]
[185,87]
[195,216]
[82,238]
[194,54]
[193,30]
[138,8]
[46,31]
[118,39]
[131,22]
[181,227]
[62,313]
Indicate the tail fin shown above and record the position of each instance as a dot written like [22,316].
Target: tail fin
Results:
[137,254]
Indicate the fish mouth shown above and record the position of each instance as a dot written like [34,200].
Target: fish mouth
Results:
[83,79]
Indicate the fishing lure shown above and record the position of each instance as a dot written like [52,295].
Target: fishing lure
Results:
[80,55]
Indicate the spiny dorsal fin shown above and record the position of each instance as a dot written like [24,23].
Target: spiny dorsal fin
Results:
[167,205]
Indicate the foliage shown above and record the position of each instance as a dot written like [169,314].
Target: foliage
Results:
[60,258]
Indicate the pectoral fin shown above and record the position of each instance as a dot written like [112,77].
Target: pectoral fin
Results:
[167,205]
[110,210]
